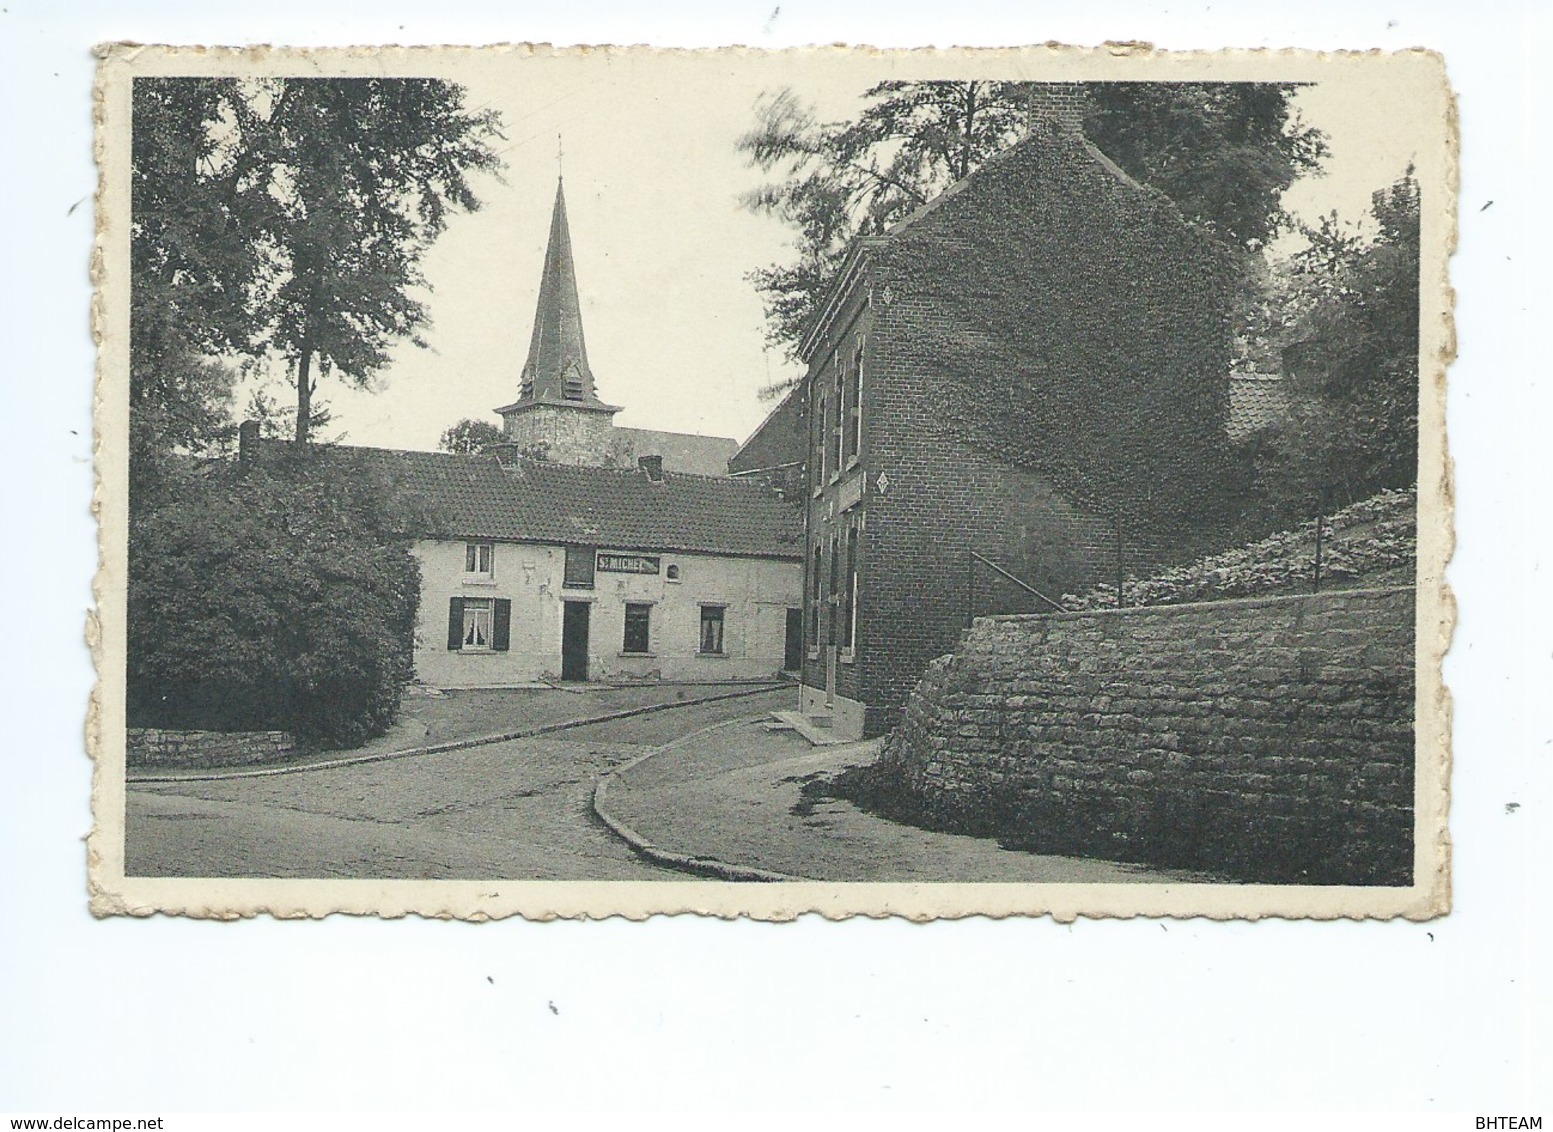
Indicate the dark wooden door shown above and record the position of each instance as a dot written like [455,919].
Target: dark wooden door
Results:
[792,652]
[574,641]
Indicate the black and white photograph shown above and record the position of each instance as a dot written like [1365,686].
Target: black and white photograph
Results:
[936,484]
[822,564]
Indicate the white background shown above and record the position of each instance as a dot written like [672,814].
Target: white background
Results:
[167,1015]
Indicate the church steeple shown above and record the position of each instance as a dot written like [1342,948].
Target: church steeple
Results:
[558,414]
[557,371]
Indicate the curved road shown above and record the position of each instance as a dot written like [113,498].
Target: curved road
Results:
[509,811]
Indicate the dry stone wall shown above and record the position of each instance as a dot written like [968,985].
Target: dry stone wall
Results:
[1265,739]
[161,747]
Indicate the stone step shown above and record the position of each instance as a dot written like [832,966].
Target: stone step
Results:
[815,728]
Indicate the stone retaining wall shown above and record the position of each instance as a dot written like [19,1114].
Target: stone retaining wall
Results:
[160,747]
[1265,739]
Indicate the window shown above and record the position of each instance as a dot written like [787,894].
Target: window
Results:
[838,368]
[638,624]
[821,451]
[479,624]
[671,572]
[572,387]
[849,595]
[814,598]
[855,409]
[579,567]
[833,594]
[712,629]
[478,558]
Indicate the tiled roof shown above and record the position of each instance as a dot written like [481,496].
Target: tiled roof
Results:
[536,501]
[1256,401]
[681,451]
[778,442]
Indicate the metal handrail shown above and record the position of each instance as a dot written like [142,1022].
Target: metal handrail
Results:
[1020,582]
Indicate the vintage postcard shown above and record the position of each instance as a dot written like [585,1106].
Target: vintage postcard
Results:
[613,481]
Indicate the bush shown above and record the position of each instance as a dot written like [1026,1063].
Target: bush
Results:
[269,598]
[1374,538]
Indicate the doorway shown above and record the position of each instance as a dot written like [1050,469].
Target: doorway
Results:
[574,640]
[792,647]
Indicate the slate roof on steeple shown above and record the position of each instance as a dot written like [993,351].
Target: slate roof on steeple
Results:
[557,371]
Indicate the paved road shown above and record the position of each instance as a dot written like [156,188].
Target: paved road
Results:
[509,811]
[746,796]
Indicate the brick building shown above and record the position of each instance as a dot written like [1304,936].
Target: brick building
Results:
[1036,359]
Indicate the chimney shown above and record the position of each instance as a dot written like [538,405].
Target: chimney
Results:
[1059,106]
[653,466]
[247,442]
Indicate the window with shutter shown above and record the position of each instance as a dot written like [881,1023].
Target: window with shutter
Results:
[478,618]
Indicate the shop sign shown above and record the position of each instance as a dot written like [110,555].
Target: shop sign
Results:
[628,563]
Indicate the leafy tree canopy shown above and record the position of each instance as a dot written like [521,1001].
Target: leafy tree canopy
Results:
[1224,153]
[1350,356]
[470,437]
[291,216]
[189,274]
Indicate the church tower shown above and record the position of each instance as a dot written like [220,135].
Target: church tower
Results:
[558,413]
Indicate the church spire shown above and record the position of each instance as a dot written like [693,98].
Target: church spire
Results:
[557,371]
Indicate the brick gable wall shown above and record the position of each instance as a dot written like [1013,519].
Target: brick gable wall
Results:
[1067,320]
[1046,357]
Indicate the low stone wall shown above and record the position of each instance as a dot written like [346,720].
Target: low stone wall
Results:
[1264,739]
[160,747]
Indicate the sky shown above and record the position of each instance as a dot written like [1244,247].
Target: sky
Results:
[647,143]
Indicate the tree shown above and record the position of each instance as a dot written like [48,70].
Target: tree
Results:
[363,173]
[292,215]
[189,268]
[1350,353]
[470,437]
[1223,152]
[310,628]
[840,180]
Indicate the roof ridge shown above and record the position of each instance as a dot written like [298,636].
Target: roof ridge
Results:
[476,496]
[771,415]
[675,432]
[632,470]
